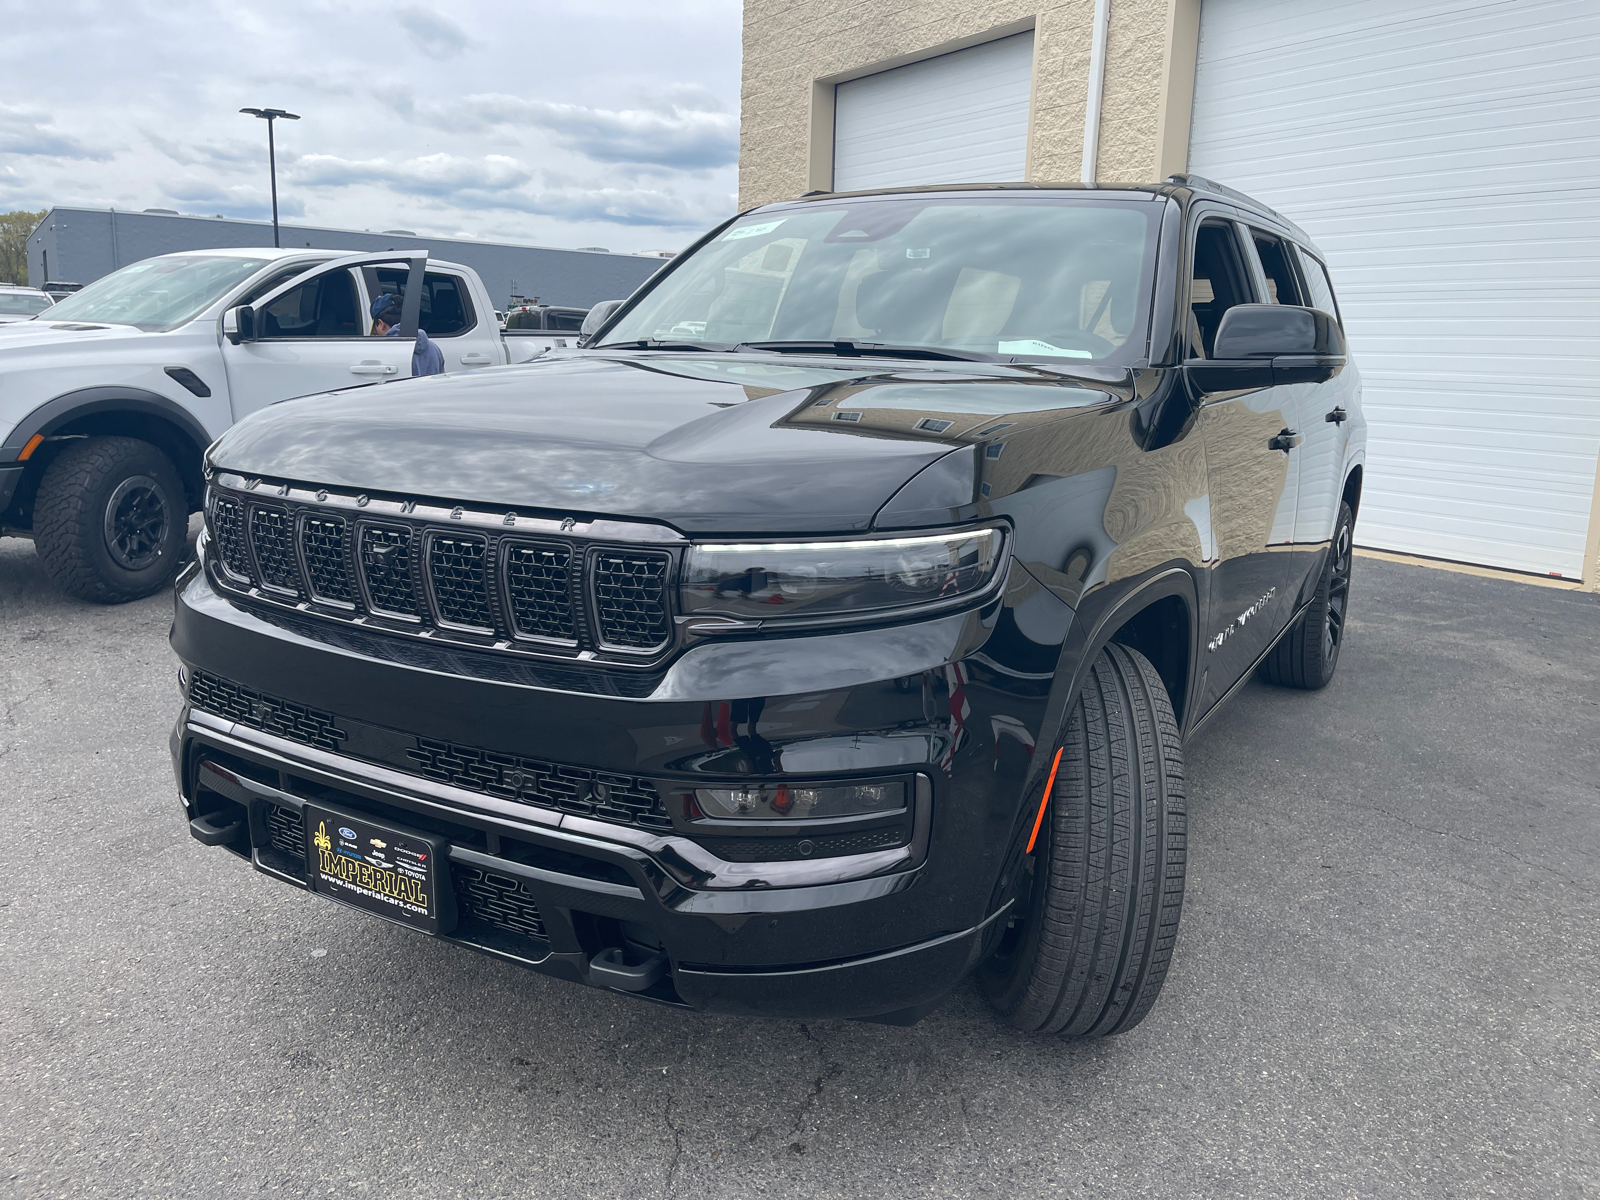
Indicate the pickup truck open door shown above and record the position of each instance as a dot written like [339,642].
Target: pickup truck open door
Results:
[312,334]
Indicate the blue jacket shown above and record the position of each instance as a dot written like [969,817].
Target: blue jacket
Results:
[426,358]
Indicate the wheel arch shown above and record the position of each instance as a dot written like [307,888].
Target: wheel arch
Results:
[108,411]
[1352,489]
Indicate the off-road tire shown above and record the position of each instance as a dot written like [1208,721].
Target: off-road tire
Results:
[1307,656]
[132,551]
[1087,951]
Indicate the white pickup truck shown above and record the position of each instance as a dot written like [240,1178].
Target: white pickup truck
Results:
[108,399]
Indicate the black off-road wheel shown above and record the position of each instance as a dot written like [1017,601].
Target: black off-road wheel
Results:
[110,521]
[1307,655]
[1097,917]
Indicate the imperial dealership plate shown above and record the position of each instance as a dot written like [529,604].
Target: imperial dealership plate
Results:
[393,873]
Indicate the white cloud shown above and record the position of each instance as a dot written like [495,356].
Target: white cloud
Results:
[25,130]
[433,35]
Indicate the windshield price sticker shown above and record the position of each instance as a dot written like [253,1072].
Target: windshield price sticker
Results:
[380,870]
[744,231]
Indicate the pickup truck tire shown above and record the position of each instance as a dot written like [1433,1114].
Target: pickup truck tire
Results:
[1307,655]
[110,521]
[1089,948]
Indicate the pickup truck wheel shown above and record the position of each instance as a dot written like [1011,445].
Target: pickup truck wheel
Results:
[1088,949]
[1308,654]
[110,521]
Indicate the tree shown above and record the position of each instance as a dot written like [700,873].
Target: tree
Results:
[14,230]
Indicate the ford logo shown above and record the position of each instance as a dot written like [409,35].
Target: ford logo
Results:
[348,835]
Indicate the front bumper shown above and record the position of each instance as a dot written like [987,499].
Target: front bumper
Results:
[878,935]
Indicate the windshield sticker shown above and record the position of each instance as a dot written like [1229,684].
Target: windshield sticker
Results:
[744,231]
[1035,346]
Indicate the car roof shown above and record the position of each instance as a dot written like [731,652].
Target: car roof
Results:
[21,287]
[1184,188]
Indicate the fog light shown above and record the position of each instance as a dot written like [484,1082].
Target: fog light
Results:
[777,802]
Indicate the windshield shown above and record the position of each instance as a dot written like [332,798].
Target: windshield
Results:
[157,294]
[1014,276]
[22,304]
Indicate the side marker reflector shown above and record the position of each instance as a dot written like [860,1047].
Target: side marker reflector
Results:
[34,443]
[1049,786]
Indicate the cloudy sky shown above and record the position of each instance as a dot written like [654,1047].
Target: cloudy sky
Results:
[608,123]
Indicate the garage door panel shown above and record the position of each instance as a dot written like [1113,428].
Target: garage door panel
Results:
[1442,156]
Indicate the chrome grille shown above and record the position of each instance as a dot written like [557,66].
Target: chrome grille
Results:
[273,542]
[539,590]
[457,569]
[322,543]
[227,525]
[630,598]
[501,582]
[386,568]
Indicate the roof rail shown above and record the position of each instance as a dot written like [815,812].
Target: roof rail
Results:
[1234,194]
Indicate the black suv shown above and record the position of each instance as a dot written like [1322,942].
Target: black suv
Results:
[824,632]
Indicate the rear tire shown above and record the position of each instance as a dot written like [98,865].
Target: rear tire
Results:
[110,521]
[1088,950]
[1307,656]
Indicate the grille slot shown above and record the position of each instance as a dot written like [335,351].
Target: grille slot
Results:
[630,598]
[457,569]
[270,714]
[272,539]
[539,590]
[286,831]
[503,901]
[385,556]
[322,545]
[795,849]
[227,523]
[603,794]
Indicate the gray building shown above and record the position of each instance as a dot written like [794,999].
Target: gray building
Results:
[78,245]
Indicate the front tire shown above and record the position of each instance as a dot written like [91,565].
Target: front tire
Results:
[1308,654]
[110,520]
[1088,950]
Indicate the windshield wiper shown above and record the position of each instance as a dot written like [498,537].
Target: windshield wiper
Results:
[850,347]
[663,344]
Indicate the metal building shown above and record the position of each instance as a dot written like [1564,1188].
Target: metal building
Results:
[79,245]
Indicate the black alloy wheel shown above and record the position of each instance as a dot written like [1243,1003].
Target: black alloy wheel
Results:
[1307,655]
[1092,930]
[111,519]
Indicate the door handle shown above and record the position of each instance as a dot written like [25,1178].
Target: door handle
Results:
[1337,417]
[1286,441]
[476,360]
[373,367]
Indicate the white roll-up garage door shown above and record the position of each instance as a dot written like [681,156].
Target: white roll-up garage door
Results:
[958,118]
[1444,157]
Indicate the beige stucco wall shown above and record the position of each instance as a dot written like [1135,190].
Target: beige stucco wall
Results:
[796,50]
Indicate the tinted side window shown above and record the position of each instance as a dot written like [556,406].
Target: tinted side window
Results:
[271,281]
[1320,291]
[446,307]
[1219,282]
[324,306]
[569,319]
[1283,284]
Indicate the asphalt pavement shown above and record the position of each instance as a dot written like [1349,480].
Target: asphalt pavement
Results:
[1387,981]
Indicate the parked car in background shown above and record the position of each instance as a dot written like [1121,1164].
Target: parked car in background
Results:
[824,632]
[557,325]
[108,398]
[57,290]
[21,303]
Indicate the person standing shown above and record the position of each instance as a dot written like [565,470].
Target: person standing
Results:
[426,358]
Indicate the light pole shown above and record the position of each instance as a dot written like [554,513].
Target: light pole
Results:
[269,115]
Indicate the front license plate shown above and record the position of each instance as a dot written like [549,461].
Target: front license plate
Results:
[394,873]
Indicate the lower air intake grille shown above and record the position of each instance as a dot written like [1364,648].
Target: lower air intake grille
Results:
[602,794]
[456,567]
[283,718]
[271,537]
[322,545]
[495,899]
[630,598]
[227,521]
[286,831]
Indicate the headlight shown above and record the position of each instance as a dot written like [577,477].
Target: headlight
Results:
[777,580]
[780,802]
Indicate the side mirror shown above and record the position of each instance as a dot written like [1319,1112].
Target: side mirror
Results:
[597,316]
[1260,345]
[239,324]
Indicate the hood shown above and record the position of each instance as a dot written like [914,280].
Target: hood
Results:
[22,333]
[706,443]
